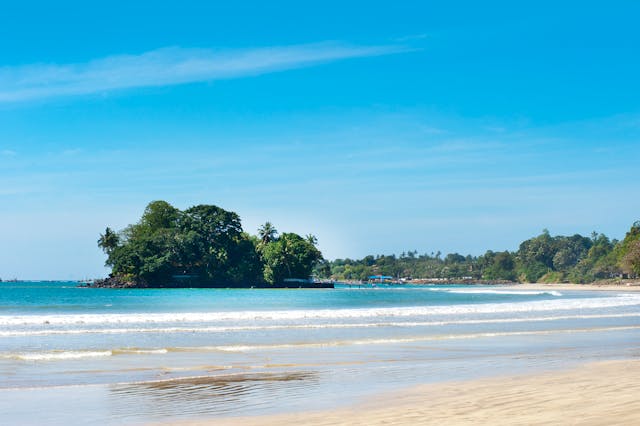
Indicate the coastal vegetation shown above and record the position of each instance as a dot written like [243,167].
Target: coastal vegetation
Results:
[203,246]
[544,258]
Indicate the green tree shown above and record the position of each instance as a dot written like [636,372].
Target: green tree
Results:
[210,248]
[311,239]
[631,259]
[453,258]
[267,233]
[108,241]
[290,256]
[204,244]
[501,266]
[599,262]
[146,258]
[569,251]
[159,215]
[628,251]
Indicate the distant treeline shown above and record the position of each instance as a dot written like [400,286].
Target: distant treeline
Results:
[203,246]
[545,258]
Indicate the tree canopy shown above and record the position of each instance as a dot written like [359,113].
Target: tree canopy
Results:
[203,245]
[289,256]
[628,252]
[544,258]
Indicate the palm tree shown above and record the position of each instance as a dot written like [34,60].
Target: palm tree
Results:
[312,239]
[267,233]
[108,241]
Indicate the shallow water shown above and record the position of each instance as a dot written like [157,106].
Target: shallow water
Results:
[134,356]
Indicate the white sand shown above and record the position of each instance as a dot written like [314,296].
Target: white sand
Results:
[630,286]
[606,393]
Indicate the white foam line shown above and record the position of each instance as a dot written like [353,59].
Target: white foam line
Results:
[486,308]
[139,351]
[57,355]
[225,329]
[64,355]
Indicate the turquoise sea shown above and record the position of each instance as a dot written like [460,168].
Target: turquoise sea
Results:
[74,355]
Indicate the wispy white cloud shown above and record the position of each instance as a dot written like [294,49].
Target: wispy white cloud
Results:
[169,66]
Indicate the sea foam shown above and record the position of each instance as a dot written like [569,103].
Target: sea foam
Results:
[307,326]
[411,311]
[57,355]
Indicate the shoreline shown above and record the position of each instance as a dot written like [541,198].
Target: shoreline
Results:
[625,285]
[598,393]
[630,286]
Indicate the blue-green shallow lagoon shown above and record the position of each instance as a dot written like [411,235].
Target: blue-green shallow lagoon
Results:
[71,355]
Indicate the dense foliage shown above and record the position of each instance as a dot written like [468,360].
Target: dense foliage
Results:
[287,257]
[544,258]
[201,246]
[205,245]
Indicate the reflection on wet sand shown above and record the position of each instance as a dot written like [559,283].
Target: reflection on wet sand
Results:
[206,395]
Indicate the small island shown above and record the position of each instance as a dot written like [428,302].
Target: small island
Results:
[205,246]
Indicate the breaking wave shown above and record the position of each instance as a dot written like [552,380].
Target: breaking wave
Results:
[352,313]
[226,329]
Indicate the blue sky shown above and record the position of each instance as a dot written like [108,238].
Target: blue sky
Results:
[452,126]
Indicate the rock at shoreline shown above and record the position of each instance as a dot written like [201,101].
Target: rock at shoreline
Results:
[114,282]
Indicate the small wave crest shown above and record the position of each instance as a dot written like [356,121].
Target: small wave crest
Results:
[132,351]
[310,326]
[66,355]
[351,313]
[57,355]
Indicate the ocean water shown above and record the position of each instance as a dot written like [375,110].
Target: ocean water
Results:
[73,355]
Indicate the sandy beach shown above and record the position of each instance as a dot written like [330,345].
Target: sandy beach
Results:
[625,286]
[603,393]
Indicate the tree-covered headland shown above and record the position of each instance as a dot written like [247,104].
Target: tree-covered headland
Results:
[545,258]
[203,246]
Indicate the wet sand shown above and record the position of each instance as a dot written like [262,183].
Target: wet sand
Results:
[603,393]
